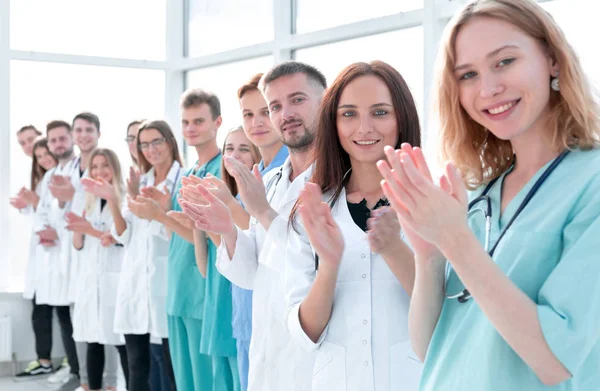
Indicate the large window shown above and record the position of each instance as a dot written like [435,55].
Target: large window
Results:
[219,25]
[224,80]
[315,15]
[403,49]
[132,29]
[41,92]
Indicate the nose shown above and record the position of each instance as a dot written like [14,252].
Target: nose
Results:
[491,85]
[257,121]
[366,124]
[236,155]
[287,112]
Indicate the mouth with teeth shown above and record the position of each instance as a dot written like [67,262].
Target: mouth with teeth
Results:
[366,142]
[502,110]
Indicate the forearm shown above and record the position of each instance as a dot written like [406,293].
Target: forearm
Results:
[200,250]
[510,310]
[266,218]
[426,303]
[230,241]
[119,221]
[216,239]
[174,227]
[401,261]
[315,310]
[240,216]
[78,240]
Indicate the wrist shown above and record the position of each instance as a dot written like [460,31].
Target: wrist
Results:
[327,271]
[454,241]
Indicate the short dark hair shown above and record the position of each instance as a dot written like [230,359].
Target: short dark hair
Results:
[57,124]
[292,67]
[29,127]
[251,85]
[89,117]
[196,96]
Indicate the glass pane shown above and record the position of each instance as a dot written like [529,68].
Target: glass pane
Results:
[133,29]
[224,80]
[41,92]
[402,49]
[220,25]
[313,15]
[576,26]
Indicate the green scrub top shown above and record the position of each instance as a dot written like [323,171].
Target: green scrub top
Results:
[552,253]
[186,286]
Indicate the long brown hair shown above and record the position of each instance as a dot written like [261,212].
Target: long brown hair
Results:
[37,171]
[331,161]
[165,130]
[574,121]
[133,123]
[227,178]
[117,180]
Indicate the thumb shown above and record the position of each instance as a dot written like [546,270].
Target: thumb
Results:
[456,183]
[167,191]
[207,194]
[256,172]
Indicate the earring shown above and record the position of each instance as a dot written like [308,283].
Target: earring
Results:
[554,84]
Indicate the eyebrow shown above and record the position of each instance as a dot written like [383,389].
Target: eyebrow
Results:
[241,145]
[262,108]
[349,106]
[489,55]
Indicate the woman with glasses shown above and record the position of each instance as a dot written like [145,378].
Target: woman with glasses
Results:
[133,182]
[506,288]
[141,313]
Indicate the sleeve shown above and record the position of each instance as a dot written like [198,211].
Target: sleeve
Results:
[568,306]
[241,269]
[300,274]
[42,214]
[157,229]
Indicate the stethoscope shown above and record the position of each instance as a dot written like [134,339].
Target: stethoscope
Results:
[144,181]
[465,295]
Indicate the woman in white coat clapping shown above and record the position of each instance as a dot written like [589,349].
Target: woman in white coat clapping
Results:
[101,259]
[349,274]
[141,313]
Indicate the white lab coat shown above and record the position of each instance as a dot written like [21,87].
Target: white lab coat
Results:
[30,272]
[276,363]
[77,207]
[141,299]
[366,345]
[98,281]
[51,281]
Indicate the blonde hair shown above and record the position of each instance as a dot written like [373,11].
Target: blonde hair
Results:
[479,155]
[117,181]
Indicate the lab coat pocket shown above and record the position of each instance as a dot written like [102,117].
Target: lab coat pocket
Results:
[329,373]
[405,367]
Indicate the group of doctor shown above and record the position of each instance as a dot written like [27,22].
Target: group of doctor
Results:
[314,251]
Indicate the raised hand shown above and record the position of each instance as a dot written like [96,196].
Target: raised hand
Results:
[212,215]
[18,202]
[250,186]
[182,219]
[133,182]
[384,230]
[323,232]
[218,188]
[48,234]
[107,240]
[422,207]
[78,224]
[99,187]
[61,188]
[162,199]
[30,197]
[144,208]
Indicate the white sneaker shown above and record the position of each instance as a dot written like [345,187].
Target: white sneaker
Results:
[80,389]
[61,375]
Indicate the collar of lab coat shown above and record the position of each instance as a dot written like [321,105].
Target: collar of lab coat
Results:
[172,176]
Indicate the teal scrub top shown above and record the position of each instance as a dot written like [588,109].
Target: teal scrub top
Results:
[552,253]
[186,286]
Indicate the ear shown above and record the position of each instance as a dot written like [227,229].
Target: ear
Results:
[553,63]
[218,122]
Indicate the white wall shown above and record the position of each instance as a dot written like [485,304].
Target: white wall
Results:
[19,310]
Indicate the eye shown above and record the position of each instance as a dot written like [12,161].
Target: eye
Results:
[349,114]
[505,62]
[247,114]
[468,75]
[266,113]
[275,107]
[380,112]
[298,100]
[244,150]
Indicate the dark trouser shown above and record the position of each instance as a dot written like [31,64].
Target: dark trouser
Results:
[161,370]
[169,364]
[41,318]
[138,354]
[95,364]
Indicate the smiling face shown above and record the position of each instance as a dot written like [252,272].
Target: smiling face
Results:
[238,146]
[155,148]
[256,121]
[26,140]
[199,126]
[60,142]
[293,105]
[85,135]
[44,158]
[132,133]
[365,118]
[503,77]
[100,168]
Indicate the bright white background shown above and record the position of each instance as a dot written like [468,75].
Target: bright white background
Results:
[126,59]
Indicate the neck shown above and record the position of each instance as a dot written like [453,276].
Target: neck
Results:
[85,159]
[299,161]
[532,150]
[206,152]
[62,162]
[365,179]
[268,153]
[162,170]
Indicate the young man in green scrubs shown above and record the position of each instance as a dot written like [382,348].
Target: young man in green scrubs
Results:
[199,310]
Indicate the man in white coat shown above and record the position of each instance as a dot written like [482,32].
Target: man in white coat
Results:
[53,264]
[255,259]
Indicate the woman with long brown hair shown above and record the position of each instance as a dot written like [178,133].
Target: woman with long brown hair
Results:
[349,274]
[506,288]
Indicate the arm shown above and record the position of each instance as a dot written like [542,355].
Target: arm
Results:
[119,222]
[173,226]
[240,268]
[78,240]
[400,259]
[241,218]
[201,251]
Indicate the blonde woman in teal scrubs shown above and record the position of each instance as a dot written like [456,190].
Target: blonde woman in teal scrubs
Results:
[506,292]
